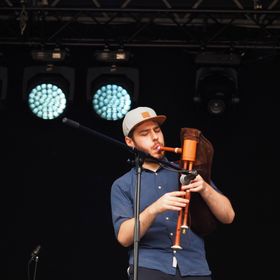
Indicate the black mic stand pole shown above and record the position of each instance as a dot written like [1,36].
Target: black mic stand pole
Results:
[139,159]
[35,267]
[34,257]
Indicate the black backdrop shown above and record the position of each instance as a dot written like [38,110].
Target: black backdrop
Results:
[55,180]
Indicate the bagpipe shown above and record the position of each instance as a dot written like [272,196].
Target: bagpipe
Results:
[196,158]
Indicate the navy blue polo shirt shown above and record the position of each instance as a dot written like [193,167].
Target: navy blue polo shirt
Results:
[155,250]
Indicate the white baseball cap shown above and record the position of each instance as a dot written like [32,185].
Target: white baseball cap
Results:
[138,115]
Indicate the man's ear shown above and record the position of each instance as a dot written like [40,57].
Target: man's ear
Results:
[129,142]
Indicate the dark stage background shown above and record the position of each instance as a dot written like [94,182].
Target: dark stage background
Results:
[56,180]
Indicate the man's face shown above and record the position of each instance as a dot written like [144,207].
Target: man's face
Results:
[147,137]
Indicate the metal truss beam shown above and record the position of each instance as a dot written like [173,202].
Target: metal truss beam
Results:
[168,27]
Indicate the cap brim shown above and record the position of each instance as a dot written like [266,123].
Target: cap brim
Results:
[160,119]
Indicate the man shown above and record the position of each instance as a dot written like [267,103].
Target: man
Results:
[160,201]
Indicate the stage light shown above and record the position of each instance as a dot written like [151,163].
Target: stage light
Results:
[216,88]
[116,56]
[52,55]
[48,90]
[111,102]
[112,91]
[47,101]
[218,59]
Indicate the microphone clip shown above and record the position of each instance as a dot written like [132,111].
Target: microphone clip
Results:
[187,176]
[35,253]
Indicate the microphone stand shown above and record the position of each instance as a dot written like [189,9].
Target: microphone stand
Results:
[139,160]
[35,258]
[35,267]
[136,152]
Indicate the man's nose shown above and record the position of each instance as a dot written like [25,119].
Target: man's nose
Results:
[154,135]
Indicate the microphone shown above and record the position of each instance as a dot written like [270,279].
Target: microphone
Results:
[35,252]
[71,122]
[186,179]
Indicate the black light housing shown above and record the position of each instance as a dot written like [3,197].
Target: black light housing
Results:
[52,55]
[48,89]
[3,82]
[109,56]
[216,88]
[112,91]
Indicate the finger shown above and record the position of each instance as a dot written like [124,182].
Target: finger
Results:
[178,193]
[175,208]
[180,204]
